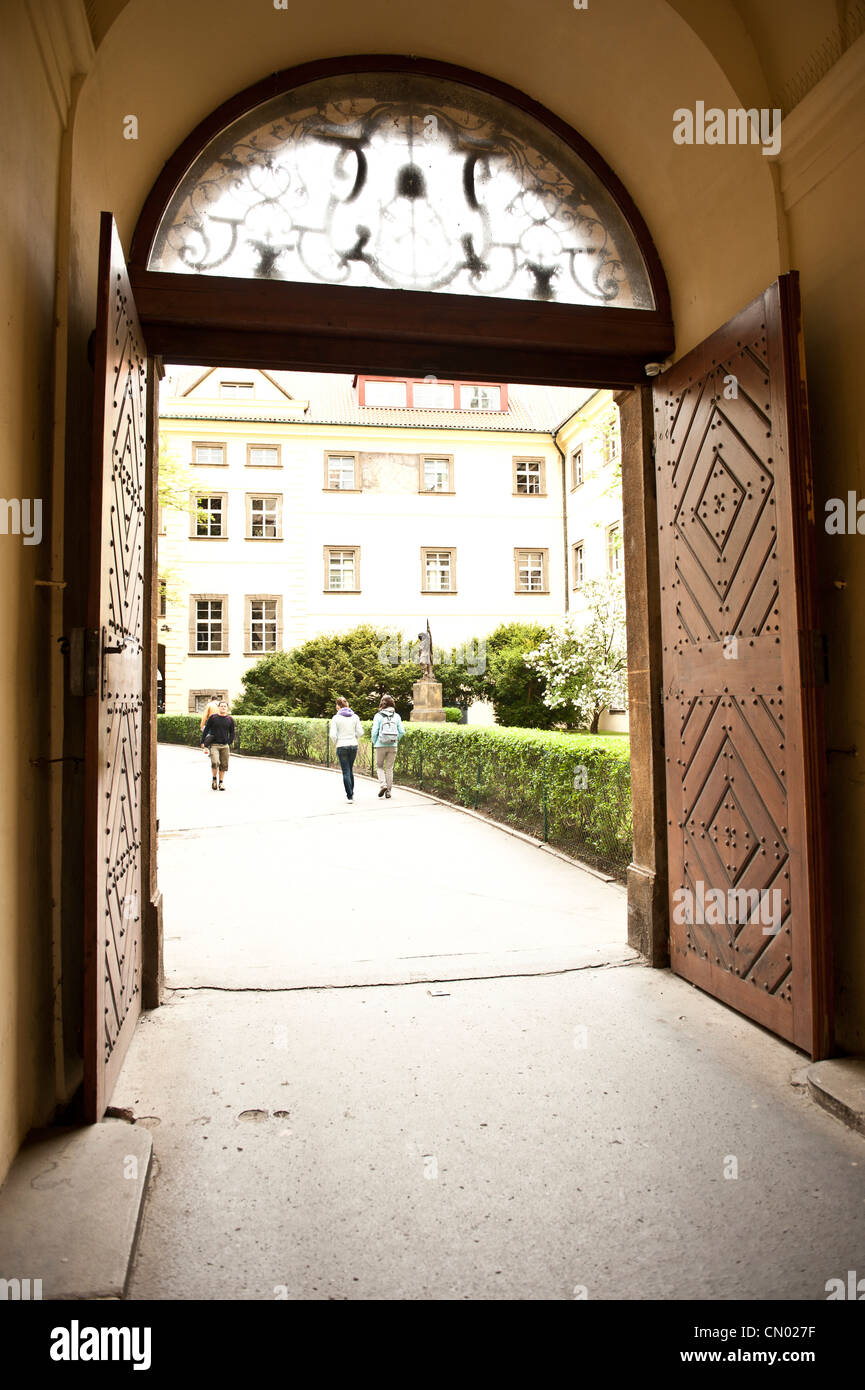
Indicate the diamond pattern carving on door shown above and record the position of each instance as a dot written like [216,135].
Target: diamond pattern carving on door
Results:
[113,877]
[743,743]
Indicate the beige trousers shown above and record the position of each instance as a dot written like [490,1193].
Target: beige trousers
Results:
[384,761]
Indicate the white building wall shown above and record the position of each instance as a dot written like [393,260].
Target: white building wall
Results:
[594,506]
[389,519]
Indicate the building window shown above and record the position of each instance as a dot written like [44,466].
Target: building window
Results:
[234,390]
[340,473]
[579,570]
[263,517]
[529,478]
[436,474]
[209,625]
[200,699]
[439,571]
[433,395]
[263,624]
[614,549]
[211,455]
[612,441]
[342,569]
[530,567]
[210,516]
[384,393]
[576,468]
[263,456]
[480,398]
[163,598]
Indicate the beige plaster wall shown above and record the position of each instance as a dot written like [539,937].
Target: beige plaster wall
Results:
[823,177]
[30,135]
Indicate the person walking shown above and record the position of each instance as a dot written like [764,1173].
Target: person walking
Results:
[217,737]
[387,730]
[345,730]
[211,708]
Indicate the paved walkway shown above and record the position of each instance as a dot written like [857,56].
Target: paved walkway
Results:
[496,1138]
[278,882]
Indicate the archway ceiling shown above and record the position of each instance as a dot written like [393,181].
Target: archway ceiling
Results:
[760,45]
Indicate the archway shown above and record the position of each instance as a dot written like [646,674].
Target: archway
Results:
[295,308]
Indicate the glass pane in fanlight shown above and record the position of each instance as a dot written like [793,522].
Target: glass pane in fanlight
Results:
[402,181]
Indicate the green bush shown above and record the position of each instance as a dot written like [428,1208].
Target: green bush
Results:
[516,692]
[453,715]
[572,790]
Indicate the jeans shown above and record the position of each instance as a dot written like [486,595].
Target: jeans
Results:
[346,757]
[384,761]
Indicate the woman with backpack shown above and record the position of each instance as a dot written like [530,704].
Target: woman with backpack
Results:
[387,730]
[345,730]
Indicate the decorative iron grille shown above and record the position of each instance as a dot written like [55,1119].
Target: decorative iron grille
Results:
[402,181]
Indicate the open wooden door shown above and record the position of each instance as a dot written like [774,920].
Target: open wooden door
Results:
[117,605]
[742,669]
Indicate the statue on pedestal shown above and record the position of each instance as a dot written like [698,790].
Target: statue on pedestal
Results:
[425,656]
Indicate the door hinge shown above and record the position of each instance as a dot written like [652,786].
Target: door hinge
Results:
[84,661]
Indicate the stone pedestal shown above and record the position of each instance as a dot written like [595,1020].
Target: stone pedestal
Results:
[427,707]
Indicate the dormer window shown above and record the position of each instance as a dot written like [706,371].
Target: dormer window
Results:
[430,394]
[233,390]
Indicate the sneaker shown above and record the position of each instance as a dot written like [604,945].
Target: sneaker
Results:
[387,794]
[383,792]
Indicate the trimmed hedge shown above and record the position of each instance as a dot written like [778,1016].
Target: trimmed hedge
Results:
[571,790]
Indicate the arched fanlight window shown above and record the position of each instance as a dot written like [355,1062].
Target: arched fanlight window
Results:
[405,181]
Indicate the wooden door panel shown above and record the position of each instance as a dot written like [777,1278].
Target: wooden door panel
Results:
[113,856]
[743,729]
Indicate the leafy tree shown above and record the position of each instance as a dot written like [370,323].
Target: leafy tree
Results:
[584,662]
[516,691]
[362,665]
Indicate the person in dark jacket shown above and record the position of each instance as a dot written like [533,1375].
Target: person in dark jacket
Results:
[219,731]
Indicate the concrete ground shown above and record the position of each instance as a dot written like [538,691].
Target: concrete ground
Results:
[604,1131]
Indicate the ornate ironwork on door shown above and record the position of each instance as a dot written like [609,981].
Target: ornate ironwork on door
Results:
[404,181]
[743,741]
[113,877]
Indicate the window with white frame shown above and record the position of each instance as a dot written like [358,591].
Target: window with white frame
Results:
[263,517]
[433,395]
[437,473]
[529,477]
[209,454]
[480,398]
[263,456]
[439,571]
[263,624]
[210,516]
[531,571]
[384,393]
[208,624]
[576,468]
[614,549]
[612,441]
[340,472]
[233,390]
[342,568]
[579,570]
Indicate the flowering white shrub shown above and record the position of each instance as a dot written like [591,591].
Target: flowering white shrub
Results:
[584,662]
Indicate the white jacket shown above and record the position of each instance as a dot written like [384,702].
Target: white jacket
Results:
[345,730]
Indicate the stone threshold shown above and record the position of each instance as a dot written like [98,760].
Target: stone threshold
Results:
[70,1211]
